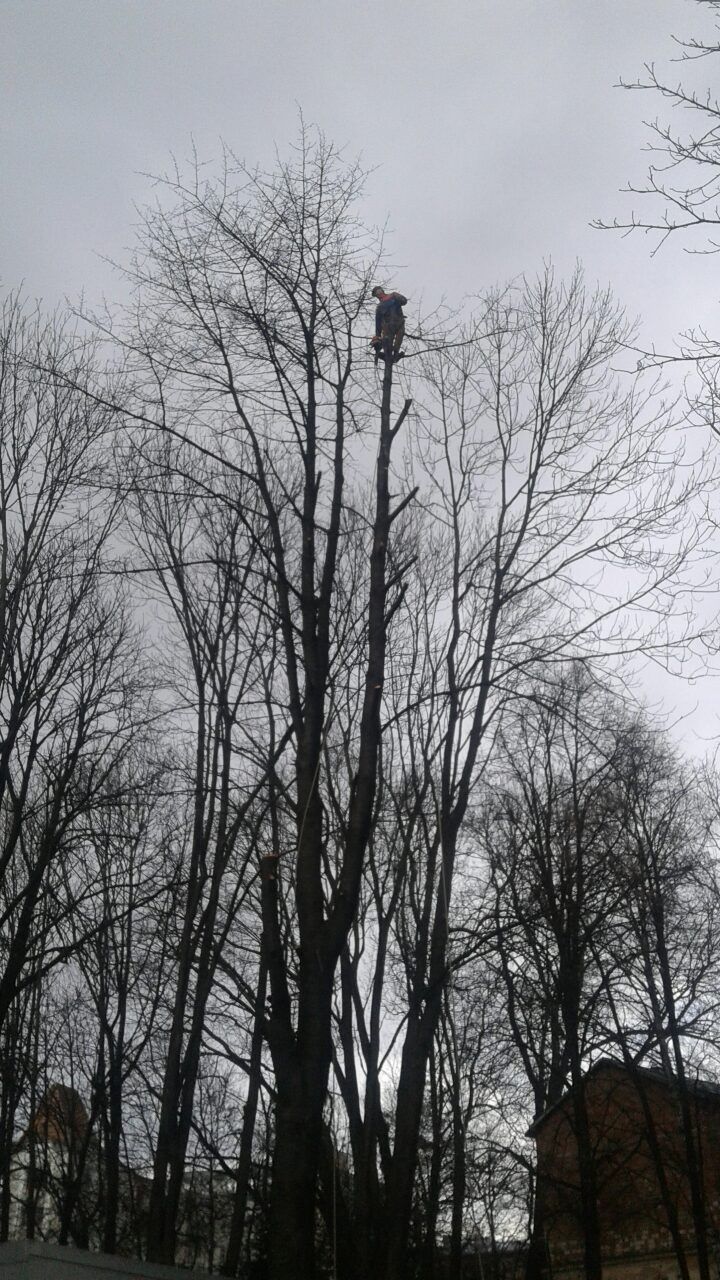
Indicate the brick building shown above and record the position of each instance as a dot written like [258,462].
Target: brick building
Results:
[640,1166]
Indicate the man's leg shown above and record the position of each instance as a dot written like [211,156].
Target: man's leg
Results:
[393,332]
[398,339]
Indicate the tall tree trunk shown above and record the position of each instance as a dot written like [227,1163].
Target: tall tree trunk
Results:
[408,1113]
[691,1134]
[301,1094]
[198,953]
[112,1156]
[432,1204]
[458,1193]
[586,1168]
[652,1137]
[302,1056]
[536,1262]
[334,1206]
[244,1166]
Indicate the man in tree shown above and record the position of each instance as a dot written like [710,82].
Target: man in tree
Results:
[389,323]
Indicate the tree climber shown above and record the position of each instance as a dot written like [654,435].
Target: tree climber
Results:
[389,324]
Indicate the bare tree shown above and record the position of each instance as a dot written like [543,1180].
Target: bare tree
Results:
[680,198]
[540,470]
[205,575]
[251,289]
[670,916]
[123,944]
[552,844]
[346,660]
[70,671]
[682,186]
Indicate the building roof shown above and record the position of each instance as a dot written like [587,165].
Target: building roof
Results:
[61,1115]
[699,1088]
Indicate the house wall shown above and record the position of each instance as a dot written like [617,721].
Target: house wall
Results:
[636,1241]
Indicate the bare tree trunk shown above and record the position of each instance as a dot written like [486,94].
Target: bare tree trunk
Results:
[113,1139]
[244,1165]
[536,1262]
[302,1059]
[434,1185]
[301,1093]
[336,1215]
[588,1176]
[408,1114]
[653,1141]
[459,1182]
[691,1135]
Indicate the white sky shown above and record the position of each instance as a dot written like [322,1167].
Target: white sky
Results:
[493,127]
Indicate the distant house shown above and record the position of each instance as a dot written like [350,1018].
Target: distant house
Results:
[50,1172]
[484,1259]
[639,1158]
[56,1182]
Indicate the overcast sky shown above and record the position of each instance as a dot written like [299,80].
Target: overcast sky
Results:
[493,128]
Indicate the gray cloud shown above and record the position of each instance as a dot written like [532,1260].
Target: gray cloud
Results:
[494,127]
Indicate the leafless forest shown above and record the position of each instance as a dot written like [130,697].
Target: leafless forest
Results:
[336,839]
